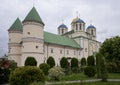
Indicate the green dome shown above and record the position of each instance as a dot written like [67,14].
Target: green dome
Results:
[33,16]
[16,26]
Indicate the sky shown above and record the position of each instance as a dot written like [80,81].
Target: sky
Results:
[103,14]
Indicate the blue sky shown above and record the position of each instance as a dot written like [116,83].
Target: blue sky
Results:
[104,14]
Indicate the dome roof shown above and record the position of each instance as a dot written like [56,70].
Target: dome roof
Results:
[90,26]
[62,26]
[80,21]
[75,19]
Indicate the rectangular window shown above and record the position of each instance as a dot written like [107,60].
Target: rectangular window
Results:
[67,51]
[74,53]
[60,51]
[51,50]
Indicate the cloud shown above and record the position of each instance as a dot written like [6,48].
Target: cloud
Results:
[105,15]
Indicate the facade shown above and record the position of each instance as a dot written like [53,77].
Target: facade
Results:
[28,38]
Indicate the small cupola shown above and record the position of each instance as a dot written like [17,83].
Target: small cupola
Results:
[91,29]
[62,29]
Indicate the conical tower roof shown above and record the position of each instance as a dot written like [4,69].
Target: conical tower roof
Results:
[33,16]
[16,26]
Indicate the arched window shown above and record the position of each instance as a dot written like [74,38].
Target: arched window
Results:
[80,27]
[62,31]
[76,27]
[92,31]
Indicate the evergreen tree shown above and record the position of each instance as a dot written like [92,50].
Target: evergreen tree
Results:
[74,62]
[30,61]
[83,61]
[51,61]
[64,62]
[90,61]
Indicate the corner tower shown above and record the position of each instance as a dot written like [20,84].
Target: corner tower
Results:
[15,38]
[33,37]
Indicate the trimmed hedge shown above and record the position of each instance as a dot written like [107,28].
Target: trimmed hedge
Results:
[64,63]
[89,71]
[51,62]
[30,61]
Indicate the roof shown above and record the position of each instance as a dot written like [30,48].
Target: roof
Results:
[16,26]
[59,40]
[62,26]
[90,26]
[33,16]
[69,32]
[80,21]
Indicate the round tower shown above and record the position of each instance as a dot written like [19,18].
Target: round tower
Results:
[78,24]
[62,29]
[15,38]
[33,37]
[92,31]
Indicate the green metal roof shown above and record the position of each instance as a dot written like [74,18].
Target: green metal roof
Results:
[16,26]
[33,16]
[59,40]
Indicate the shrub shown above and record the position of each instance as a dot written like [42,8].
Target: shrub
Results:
[51,62]
[30,61]
[64,62]
[75,70]
[83,61]
[98,66]
[89,71]
[90,61]
[26,75]
[55,73]
[74,63]
[13,65]
[44,67]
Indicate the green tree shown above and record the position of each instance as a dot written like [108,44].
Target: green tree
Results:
[83,61]
[64,62]
[51,62]
[44,67]
[90,61]
[111,49]
[74,62]
[30,61]
[26,75]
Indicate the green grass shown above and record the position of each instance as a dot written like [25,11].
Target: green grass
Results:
[114,75]
[79,76]
[92,83]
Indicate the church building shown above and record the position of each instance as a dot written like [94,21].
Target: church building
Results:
[28,39]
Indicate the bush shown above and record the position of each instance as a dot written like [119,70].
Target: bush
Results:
[90,61]
[75,70]
[74,63]
[44,67]
[64,62]
[83,61]
[55,73]
[26,75]
[13,65]
[111,67]
[51,62]
[89,71]
[30,61]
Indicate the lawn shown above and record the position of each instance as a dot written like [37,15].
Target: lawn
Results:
[92,83]
[81,76]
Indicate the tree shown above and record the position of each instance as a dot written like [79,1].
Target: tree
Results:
[83,61]
[64,62]
[26,75]
[51,62]
[30,61]
[90,61]
[44,67]
[111,49]
[74,62]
